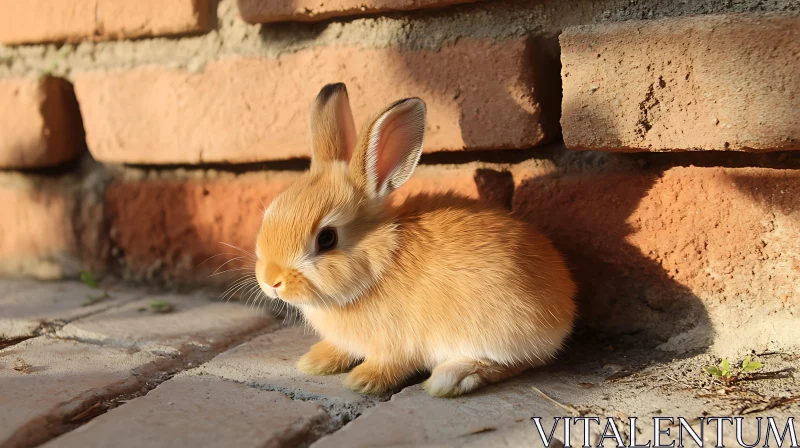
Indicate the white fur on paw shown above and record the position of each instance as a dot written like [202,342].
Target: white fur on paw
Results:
[470,383]
[449,384]
[440,384]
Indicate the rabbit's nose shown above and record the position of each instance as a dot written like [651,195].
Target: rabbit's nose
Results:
[273,275]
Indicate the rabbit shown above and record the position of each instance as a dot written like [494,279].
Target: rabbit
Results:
[441,283]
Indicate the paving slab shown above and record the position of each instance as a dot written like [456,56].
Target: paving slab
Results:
[26,307]
[412,417]
[196,322]
[14,285]
[268,362]
[500,415]
[44,382]
[201,411]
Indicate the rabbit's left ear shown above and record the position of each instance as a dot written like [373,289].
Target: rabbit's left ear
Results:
[333,132]
[390,147]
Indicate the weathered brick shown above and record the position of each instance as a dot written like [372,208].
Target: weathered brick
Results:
[46,20]
[268,362]
[78,20]
[211,412]
[196,323]
[37,231]
[124,19]
[480,94]
[9,286]
[170,228]
[483,181]
[500,415]
[695,254]
[725,82]
[49,228]
[32,308]
[40,123]
[505,408]
[657,242]
[48,382]
[265,11]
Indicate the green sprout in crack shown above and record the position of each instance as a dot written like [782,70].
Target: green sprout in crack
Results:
[729,375]
[88,279]
[749,365]
[160,306]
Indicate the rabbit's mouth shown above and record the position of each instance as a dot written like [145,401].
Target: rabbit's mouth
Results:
[268,290]
[271,292]
[281,293]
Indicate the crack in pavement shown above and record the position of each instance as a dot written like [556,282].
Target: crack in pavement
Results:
[140,383]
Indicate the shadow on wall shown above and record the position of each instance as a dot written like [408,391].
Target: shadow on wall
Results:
[622,291]
[723,233]
[770,237]
[587,215]
[659,241]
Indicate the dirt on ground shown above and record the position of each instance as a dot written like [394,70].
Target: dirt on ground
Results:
[630,377]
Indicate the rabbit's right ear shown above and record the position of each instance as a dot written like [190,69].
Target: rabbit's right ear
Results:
[389,148]
[333,132]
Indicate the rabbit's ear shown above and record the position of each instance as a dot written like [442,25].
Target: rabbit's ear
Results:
[333,132]
[390,147]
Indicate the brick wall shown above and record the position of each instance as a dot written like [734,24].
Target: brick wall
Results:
[654,141]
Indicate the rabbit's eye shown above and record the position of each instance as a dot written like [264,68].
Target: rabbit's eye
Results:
[327,239]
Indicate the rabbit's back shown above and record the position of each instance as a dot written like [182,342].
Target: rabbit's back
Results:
[468,280]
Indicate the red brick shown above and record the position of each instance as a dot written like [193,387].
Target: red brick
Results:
[654,252]
[265,11]
[127,19]
[49,229]
[167,228]
[77,20]
[688,255]
[66,379]
[478,181]
[35,21]
[212,412]
[40,123]
[725,82]
[480,95]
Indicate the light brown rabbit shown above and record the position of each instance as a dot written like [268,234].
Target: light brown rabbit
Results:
[441,283]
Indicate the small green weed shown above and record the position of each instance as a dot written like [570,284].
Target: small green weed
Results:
[160,306]
[88,279]
[727,375]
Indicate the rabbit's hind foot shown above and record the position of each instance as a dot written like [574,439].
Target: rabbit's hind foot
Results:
[459,376]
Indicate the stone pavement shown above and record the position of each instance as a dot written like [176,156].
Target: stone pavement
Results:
[77,372]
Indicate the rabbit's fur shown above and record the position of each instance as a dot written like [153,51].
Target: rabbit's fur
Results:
[440,283]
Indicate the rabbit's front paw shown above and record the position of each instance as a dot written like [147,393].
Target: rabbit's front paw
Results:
[374,379]
[325,359]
